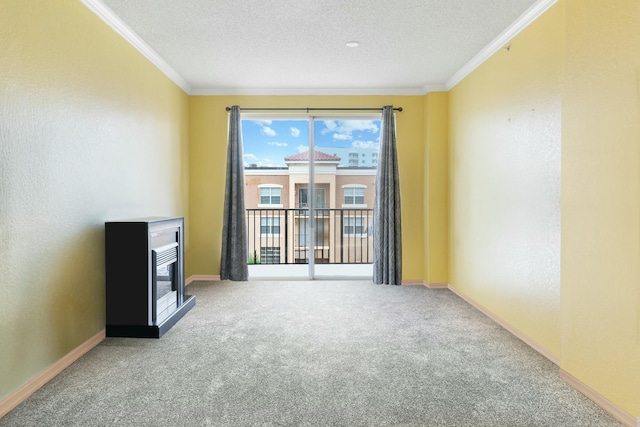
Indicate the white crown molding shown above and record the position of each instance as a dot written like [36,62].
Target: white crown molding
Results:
[520,24]
[310,91]
[434,87]
[111,19]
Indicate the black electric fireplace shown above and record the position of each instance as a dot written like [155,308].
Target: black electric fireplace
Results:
[145,276]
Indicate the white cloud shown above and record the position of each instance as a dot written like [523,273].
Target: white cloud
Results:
[363,125]
[266,130]
[347,127]
[295,132]
[302,148]
[330,126]
[251,159]
[262,122]
[365,144]
[277,144]
[342,136]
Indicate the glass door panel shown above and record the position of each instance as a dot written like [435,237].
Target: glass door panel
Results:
[346,153]
[309,185]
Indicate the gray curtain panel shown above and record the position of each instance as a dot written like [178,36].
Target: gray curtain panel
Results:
[233,264]
[387,237]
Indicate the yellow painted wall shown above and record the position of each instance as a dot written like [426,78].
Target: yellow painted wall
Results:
[90,131]
[601,199]
[505,145]
[436,184]
[208,135]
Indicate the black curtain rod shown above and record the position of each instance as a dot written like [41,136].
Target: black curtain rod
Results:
[307,109]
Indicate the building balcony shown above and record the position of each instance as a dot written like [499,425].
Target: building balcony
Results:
[283,236]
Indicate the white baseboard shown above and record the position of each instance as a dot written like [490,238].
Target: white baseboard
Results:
[618,413]
[26,390]
[425,284]
[22,393]
[615,411]
[413,283]
[201,278]
[431,285]
[523,337]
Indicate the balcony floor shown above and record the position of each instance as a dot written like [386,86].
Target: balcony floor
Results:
[301,271]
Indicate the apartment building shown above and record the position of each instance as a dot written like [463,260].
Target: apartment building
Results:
[278,203]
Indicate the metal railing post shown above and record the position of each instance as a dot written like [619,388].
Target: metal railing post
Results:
[286,236]
[341,236]
[360,228]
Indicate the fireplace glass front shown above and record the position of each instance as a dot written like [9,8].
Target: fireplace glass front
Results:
[164,275]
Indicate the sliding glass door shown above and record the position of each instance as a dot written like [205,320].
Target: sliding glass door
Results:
[309,195]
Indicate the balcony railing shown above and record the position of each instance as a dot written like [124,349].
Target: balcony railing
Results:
[282,236]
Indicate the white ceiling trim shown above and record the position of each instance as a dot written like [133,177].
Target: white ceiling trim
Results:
[318,91]
[520,24]
[111,19]
[435,87]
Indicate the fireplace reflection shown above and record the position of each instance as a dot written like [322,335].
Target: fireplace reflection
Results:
[164,276]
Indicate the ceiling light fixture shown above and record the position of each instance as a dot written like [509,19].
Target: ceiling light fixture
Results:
[353,44]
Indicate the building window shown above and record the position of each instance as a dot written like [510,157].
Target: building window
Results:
[269,255]
[303,198]
[354,196]
[269,226]
[354,226]
[270,195]
[303,232]
[353,159]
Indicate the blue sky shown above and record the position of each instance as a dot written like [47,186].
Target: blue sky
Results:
[268,142]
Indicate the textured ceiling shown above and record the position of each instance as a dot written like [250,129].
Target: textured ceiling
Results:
[298,46]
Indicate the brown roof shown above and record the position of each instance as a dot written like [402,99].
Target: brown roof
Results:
[318,157]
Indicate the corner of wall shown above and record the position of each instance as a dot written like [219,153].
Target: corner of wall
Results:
[436,184]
